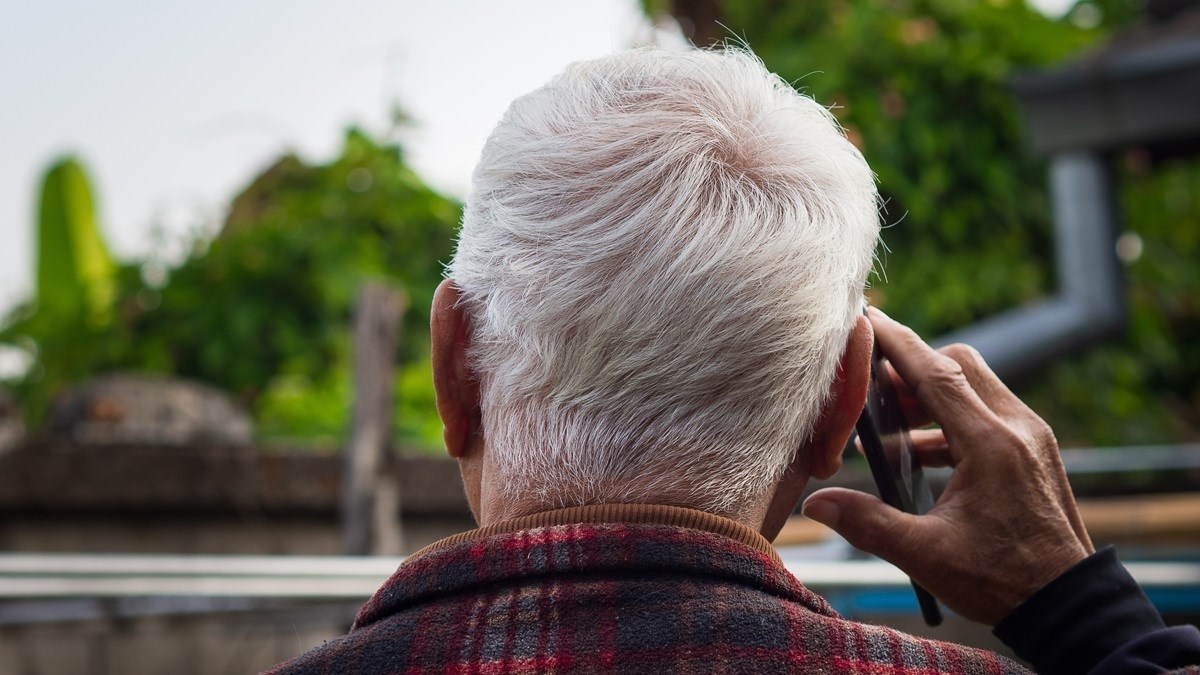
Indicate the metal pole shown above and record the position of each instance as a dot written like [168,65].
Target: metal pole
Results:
[1089,305]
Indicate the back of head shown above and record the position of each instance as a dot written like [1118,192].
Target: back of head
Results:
[662,255]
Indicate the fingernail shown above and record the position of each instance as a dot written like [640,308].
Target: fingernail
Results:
[826,513]
[878,311]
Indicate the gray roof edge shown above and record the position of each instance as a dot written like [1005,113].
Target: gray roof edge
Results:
[1150,60]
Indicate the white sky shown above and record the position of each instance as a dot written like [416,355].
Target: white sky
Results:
[175,105]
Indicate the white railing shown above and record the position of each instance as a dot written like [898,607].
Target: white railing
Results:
[44,576]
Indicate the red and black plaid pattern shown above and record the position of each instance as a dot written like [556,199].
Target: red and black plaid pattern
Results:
[616,598]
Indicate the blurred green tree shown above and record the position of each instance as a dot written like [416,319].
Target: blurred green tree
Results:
[921,86]
[263,309]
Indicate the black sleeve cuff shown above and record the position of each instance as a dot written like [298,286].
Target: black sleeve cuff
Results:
[1077,620]
[1168,649]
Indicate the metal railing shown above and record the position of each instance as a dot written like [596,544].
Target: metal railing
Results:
[40,575]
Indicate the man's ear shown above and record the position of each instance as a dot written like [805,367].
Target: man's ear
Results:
[845,403]
[455,387]
[822,456]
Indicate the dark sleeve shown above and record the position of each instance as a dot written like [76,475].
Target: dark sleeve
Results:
[1096,619]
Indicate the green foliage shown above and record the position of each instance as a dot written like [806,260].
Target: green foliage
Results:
[1106,14]
[263,310]
[74,270]
[921,86]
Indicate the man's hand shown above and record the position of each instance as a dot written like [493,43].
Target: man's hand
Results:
[1007,523]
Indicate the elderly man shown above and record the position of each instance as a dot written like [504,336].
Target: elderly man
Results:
[650,338]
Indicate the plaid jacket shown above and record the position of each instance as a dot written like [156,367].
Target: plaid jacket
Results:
[617,589]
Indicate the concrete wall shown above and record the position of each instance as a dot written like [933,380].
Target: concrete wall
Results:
[217,499]
[60,498]
[202,644]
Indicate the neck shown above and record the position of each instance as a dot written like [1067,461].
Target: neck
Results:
[495,508]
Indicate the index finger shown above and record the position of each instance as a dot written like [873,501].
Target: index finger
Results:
[914,414]
[936,380]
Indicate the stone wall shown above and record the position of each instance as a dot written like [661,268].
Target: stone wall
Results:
[58,497]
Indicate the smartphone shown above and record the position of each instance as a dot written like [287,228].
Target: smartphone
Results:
[888,446]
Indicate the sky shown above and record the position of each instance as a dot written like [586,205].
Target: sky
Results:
[174,106]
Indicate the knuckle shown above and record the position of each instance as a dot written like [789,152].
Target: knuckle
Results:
[946,370]
[1043,435]
[1007,460]
[879,537]
[909,335]
[866,539]
[965,355]
[1014,444]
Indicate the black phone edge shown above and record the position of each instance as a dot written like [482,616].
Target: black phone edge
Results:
[873,449]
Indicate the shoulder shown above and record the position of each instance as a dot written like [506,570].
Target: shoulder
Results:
[756,643]
[628,598]
[849,646]
[795,638]
[660,626]
[386,646]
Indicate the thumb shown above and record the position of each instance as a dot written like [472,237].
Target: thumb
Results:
[866,522]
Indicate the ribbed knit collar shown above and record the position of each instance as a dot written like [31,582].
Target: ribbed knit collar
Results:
[630,514]
[629,539]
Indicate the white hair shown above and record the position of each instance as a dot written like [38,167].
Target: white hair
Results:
[661,258]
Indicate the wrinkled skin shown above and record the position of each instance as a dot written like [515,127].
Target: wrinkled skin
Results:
[1007,523]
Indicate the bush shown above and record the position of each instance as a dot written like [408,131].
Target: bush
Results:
[263,309]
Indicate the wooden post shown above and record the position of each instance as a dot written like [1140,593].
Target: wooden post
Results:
[371,500]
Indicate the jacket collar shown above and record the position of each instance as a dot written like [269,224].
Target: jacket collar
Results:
[601,538]
[630,514]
